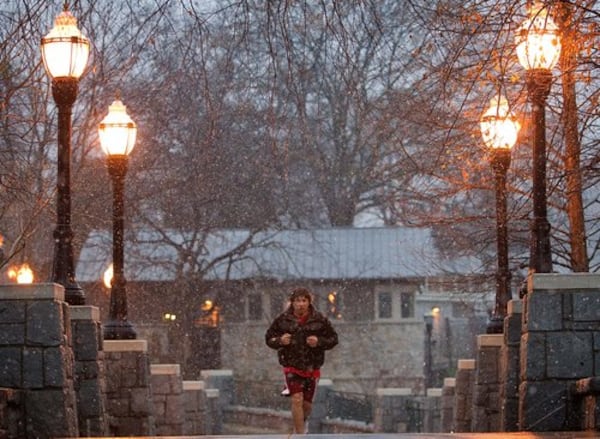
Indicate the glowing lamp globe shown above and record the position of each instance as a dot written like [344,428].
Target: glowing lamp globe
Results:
[499,127]
[538,40]
[117,131]
[65,50]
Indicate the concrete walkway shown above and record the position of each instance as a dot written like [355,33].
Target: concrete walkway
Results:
[520,435]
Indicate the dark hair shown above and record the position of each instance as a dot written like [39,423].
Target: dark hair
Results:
[301,292]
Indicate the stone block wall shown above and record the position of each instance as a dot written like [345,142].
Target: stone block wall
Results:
[128,392]
[222,380]
[509,367]
[560,344]
[432,411]
[391,415]
[168,399]
[194,406]
[486,390]
[36,357]
[90,384]
[319,409]
[214,412]
[447,405]
[463,397]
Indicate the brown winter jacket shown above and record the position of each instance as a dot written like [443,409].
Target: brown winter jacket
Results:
[298,354]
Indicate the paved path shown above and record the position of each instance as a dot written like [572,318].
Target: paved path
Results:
[562,435]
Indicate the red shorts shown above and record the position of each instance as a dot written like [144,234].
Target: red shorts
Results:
[298,384]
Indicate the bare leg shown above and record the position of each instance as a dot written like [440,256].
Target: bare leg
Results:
[307,407]
[298,412]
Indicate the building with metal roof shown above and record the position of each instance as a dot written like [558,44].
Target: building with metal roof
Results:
[221,289]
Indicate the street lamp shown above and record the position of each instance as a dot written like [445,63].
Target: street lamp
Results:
[117,134]
[538,50]
[428,351]
[65,53]
[499,129]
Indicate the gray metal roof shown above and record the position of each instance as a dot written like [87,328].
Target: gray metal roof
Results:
[337,253]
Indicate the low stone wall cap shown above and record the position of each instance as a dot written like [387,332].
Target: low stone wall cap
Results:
[192,385]
[85,312]
[514,306]
[562,282]
[165,369]
[449,382]
[45,291]
[490,340]
[466,364]
[434,391]
[125,345]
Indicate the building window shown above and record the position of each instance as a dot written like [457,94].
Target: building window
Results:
[384,306]
[255,308]
[407,308]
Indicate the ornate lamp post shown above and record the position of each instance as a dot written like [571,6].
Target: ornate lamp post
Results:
[117,137]
[538,50]
[499,129]
[65,53]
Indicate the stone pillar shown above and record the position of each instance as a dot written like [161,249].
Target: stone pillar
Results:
[89,371]
[167,396]
[560,344]
[319,408]
[486,392]
[36,356]
[463,397]
[221,379]
[432,409]
[194,408]
[214,413]
[391,415]
[448,397]
[509,368]
[128,391]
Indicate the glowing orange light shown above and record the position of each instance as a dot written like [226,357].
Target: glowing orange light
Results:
[538,39]
[207,305]
[108,275]
[22,274]
[499,127]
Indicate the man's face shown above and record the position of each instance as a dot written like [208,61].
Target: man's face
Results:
[300,305]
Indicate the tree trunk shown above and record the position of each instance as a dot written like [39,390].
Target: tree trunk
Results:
[568,62]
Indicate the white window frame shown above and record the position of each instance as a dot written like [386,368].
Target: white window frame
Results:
[396,294]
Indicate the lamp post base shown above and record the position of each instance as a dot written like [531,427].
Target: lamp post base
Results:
[120,330]
[74,294]
[495,325]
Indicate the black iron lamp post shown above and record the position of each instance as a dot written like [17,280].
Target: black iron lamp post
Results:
[428,350]
[65,53]
[499,129]
[117,137]
[538,50]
